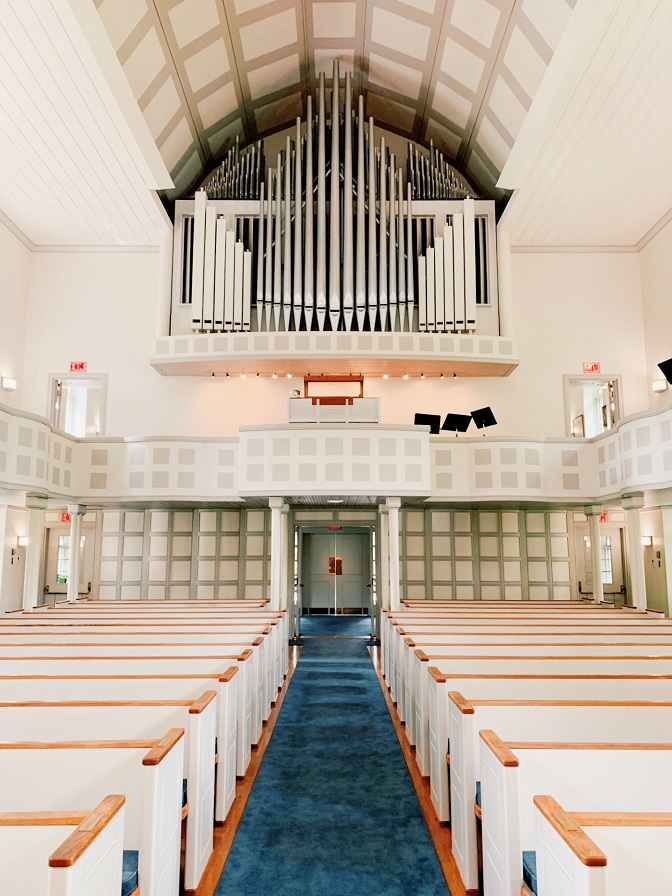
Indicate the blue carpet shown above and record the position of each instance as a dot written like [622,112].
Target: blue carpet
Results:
[333,811]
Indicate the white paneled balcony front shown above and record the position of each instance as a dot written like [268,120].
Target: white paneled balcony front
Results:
[318,458]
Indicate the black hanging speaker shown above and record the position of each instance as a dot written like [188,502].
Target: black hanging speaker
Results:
[666,367]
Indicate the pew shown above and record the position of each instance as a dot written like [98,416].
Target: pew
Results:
[102,720]
[599,777]
[153,666]
[592,853]
[525,720]
[129,688]
[524,664]
[73,853]
[65,775]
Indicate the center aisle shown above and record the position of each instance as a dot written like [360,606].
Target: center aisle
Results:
[333,811]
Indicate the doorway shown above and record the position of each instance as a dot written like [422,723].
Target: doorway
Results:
[612,561]
[77,404]
[336,572]
[592,405]
[56,562]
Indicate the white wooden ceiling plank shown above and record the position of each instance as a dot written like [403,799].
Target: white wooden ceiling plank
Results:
[53,156]
[62,83]
[32,194]
[607,155]
[24,144]
[45,167]
[568,133]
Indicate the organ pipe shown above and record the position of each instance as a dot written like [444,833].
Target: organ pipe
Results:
[332,243]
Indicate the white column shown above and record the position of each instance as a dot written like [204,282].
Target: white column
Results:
[31,582]
[593,512]
[667,552]
[393,505]
[284,554]
[504,290]
[276,505]
[76,512]
[384,567]
[632,504]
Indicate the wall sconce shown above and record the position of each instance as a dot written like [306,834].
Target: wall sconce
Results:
[22,541]
[647,541]
[8,383]
[659,385]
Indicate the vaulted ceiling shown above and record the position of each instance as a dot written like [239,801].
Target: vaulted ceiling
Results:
[462,73]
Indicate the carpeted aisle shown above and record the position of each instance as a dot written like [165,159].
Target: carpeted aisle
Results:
[333,811]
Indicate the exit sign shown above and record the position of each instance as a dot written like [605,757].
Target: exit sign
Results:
[603,517]
[77,366]
[591,366]
[65,517]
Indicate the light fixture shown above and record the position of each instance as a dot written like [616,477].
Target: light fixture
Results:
[8,383]
[289,376]
[213,373]
[454,376]
[334,500]
[257,376]
[22,541]
[227,374]
[441,377]
[243,376]
[405,376]
[384,376]
[659,385]
[422,376]
[647,541]
[274,376]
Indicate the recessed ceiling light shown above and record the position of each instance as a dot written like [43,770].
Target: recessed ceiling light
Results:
[335,501]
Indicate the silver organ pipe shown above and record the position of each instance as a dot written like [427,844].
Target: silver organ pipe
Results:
[330,241]
[334,207]
[298,218]
[348,297]
[287,241]
[401,259]
[277,255]
[382,241]
[373,257]
[321,262]
[392,259]
[360,276]
[309,279]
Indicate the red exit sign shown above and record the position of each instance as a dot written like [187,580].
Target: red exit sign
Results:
[604,518]
[80,366]
[65,517]
[591,366]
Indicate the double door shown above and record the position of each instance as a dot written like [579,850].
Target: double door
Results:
[336,572]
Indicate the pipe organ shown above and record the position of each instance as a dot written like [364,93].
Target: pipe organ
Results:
[337,234]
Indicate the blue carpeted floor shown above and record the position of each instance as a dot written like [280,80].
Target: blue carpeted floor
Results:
[333,811]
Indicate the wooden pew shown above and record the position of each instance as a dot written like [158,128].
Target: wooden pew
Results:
[592,853]
[635,777]
[524,664]
[105,720]
[55,853]
[109,688]
[63,776]
[526,720]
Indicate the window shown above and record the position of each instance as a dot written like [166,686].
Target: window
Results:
[605,558]
[78,404]
[592,405]
[63,560]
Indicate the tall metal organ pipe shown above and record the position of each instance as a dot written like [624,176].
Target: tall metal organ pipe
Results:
[334,207]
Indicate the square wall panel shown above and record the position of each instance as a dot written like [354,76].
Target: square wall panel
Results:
[228,570]
[181,546]
[490,571]
[464,592]
[464,570]
[228,545]
[131,570]
[134,522]
[442,592]
[440,521]
[157,570]
[158,546]
[463,546]
[206,570]
[510,546]
[416,592]
[180,570]
[536,547]
[510,522]
[415,546]
[207,545]
[132,546]
[254,546]
[415,571]
[442,570]
[158,521]
[441,546]
[491,592]
[111,521]
[182,521]
[489,546]
[462,521]
[254,570]
[414,521]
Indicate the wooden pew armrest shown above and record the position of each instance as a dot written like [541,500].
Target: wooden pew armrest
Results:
[72,848]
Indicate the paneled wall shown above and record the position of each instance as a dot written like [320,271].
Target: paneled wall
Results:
[489,554]
[183,553]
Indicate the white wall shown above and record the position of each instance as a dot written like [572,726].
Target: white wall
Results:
[656,273]
[15,266]
[102,308]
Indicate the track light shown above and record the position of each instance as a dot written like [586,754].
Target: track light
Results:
[422,376]
[274,376]
[243,376]
[405,376]
[289,376]
[441,377]
[384,376]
